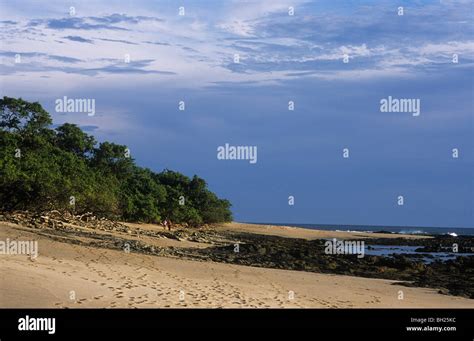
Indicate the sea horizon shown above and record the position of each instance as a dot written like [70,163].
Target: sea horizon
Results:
[422,230]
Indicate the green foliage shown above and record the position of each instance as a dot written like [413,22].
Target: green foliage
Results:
[72,139]
[141,196]
[42,168]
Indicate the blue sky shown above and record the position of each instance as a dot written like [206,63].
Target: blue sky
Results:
[282,58]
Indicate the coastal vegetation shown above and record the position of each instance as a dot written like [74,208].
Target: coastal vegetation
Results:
[65,169]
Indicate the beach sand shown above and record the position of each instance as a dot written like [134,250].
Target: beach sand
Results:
[296,232]
[69,275]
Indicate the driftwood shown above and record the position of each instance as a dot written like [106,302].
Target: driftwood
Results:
[64,220]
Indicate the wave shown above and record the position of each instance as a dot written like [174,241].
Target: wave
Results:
[412,232]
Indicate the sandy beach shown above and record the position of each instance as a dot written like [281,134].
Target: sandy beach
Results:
[66,274]
[296,232]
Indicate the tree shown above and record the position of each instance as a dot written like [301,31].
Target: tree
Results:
[112,158]
[141,196]
[17,115]
[43,169]
[71,138]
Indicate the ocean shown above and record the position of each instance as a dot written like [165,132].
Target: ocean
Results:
[453,231]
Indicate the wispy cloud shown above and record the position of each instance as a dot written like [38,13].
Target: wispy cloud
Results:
[79,39]
[270,42]
[41,63]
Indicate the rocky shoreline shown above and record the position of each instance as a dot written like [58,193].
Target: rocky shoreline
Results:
[453,277]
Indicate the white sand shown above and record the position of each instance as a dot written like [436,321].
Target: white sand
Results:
[110,278]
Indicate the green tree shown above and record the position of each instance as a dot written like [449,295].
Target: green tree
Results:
[42,168]
[71,138]
[17,115]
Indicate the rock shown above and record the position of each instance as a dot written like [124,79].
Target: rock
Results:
[443,291]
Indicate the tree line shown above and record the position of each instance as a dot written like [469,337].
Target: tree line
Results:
[66,169]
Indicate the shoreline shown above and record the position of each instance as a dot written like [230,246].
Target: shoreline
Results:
[305,233]
[272,262]
[104,278]
[403,230]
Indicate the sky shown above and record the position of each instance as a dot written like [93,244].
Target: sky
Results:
[334,60]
